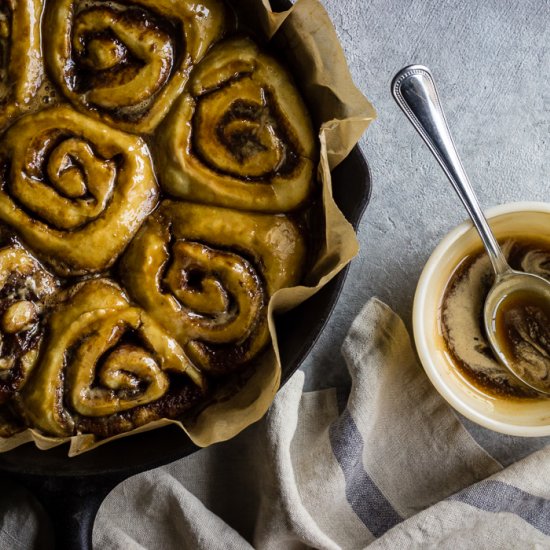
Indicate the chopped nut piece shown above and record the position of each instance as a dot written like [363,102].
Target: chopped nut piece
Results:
[6,363]
[18,317]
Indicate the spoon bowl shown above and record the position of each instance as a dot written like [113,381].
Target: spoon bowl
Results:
[517,326]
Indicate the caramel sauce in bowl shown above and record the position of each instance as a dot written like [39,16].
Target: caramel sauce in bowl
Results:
[447,321]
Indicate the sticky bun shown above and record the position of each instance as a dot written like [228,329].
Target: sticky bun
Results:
[154,179]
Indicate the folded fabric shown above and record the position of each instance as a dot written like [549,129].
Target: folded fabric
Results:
[389,466]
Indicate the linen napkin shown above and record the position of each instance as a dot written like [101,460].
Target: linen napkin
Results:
[387,466]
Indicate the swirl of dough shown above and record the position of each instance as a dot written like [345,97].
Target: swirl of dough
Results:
[74,189]
[107,367]
[26,289]
[206,274]
[21,68]
[240,136]
[127,61]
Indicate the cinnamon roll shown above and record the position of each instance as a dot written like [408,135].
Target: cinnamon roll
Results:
[240,136]
[74,189]
[206,274]
[26,289]
[106,368]
[21,71]
[127,60]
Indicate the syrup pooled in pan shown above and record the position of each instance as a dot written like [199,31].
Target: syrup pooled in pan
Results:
[522,324]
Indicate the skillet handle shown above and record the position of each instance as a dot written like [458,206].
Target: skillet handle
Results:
[71,504]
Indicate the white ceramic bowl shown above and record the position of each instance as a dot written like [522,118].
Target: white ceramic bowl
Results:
[527,417]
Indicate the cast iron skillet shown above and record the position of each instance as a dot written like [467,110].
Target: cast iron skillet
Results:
[71,490]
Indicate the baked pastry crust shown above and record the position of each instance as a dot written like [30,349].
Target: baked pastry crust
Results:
[240,136]
[21,65]
[116,308]
[74,189]
[206,275]
[127,62]
[103,363]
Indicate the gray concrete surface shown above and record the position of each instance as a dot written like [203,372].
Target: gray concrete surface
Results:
[491,60]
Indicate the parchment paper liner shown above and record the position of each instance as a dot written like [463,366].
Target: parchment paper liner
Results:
[306,40]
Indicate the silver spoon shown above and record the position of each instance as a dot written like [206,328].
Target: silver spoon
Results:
[414,90]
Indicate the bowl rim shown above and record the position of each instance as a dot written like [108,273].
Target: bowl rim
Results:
[427,361]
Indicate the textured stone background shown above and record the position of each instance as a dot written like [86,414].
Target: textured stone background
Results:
[491,61]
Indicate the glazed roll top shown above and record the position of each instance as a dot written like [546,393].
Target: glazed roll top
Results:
[107,367]
[26,289]
[21,67]
[127,61]
[74,189]
[240,136]
[98,99]
[206,274]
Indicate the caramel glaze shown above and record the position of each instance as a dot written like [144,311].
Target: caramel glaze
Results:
[522,329]
[178,400]
[530,254]
[83,77]
[124,62]
[518,312]
[245,143]
[5,32]
[230,363]
[240,135]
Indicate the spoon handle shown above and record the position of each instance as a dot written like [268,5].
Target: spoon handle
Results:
[413,88]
